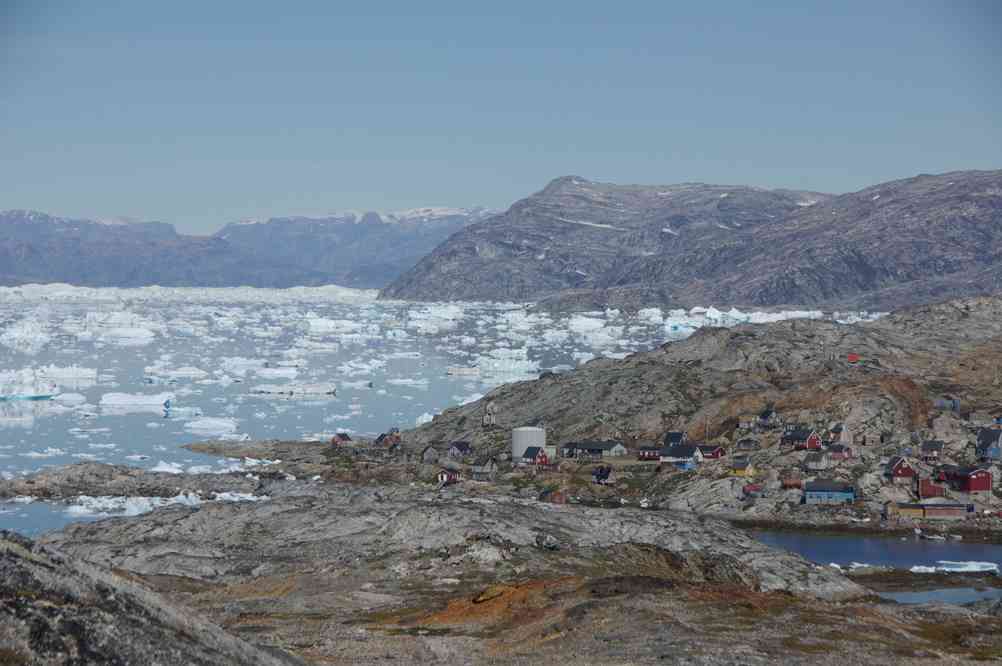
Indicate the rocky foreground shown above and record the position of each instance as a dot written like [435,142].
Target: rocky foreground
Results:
[56,609]
[330,572]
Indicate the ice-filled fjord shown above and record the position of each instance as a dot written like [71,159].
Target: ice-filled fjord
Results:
[129,375]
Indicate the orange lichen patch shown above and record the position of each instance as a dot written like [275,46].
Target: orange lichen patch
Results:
[260,588]
[501,603]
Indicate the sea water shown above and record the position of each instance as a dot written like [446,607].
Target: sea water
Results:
[128,376]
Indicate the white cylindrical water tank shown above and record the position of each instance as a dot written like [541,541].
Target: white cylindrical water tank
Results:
[523,438]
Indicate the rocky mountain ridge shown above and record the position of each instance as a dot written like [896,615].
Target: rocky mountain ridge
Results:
[703,384]
[362,250]
[578,243]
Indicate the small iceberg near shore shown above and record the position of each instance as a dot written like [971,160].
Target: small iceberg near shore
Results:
[947,566]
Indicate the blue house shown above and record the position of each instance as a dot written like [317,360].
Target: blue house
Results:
[989,447]
[824,491]
[682,456]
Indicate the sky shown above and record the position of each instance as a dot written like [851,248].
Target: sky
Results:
[203,113]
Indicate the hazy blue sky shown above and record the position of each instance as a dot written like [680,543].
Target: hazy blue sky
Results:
[201,113]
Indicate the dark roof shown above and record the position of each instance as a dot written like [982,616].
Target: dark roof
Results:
[607,445]
[827,486]
[343,436]
[748,442]
[798,434]
[672,438]
[464,447]
[708,448]
[532,452]
[680,451]
[837,448]
[932,445]
[988,437]
[767,413]
[893,462]
[740,463]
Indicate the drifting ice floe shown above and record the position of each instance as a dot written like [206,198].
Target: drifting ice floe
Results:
[222,428]
[294,389]
[947,566]
[101,506]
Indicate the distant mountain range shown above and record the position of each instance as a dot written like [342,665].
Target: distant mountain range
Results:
[576,244]
[349,249]
[580,244]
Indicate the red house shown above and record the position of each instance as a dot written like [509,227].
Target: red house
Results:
[535,455]
[900,470]
[926,488]
[711,451]
[649,453]
[447,477]
[966,479]
[341,439]
[802,440]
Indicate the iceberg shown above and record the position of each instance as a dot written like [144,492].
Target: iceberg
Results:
[85,505]
[212,426]
[949,566]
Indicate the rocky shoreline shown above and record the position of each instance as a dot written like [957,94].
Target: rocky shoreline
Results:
[329,571]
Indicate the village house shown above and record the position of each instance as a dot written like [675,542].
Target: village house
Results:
[594,450]
[602,475]
[826,491]
[904,510]
[429,455]
[748,444]
[932,451]
[947,511]
[341,439]
[712,451]
[460,450]
[484,471]
[535,455]
[817,461]
[989,445]
[388,438]
[947,403]
[928,511]
[965,479]
[841,452]
[448,477]
[927,488]
[747,421]
[648,453]
[801,439]
[673,438]
[791,483]
[742,466]
[899,470]
[683,456]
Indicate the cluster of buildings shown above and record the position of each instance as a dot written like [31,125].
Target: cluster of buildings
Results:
[938,489]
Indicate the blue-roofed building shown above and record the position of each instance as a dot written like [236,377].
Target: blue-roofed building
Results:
[824,491]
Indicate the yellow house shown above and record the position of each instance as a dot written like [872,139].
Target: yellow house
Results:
[742,468]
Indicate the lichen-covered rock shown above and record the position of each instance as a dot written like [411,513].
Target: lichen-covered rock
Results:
[60,610]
